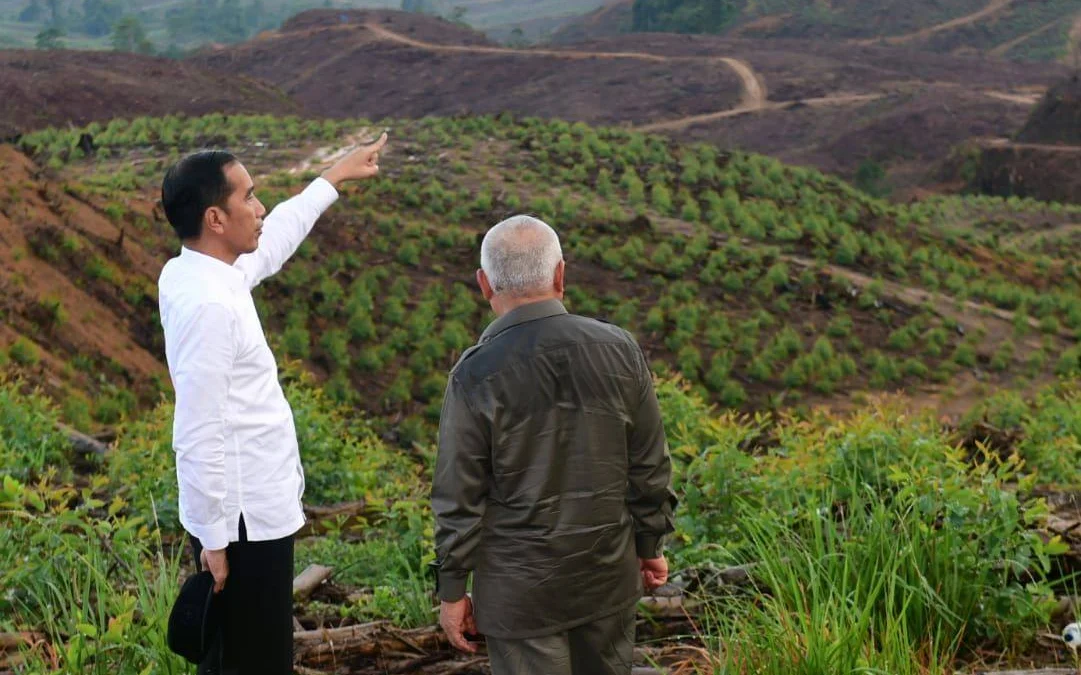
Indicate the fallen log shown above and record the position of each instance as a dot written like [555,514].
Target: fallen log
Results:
[310,579]
[310,638]
[381,641]
[354,508]
[87,448]
[347,511]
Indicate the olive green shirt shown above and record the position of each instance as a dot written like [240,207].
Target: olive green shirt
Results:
[553,475]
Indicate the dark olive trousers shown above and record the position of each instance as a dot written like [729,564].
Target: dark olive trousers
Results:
[257,609]
[602,647]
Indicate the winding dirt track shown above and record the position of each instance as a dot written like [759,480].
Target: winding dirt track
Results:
[1020,99]
[754,97]
[1005,47]
[687,122]
[992,8]
[1043,147]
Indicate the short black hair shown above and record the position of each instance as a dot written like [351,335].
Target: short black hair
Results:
[193,185]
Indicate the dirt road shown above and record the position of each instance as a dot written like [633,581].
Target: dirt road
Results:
[992,8]
[684,123]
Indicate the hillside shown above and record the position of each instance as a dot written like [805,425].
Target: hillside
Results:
[377,64]
[776,306]
[77,303]
[1041,160]
[1057,119]
[832,106]
[174,26]
[1012,29]
[42,88]
[764,285]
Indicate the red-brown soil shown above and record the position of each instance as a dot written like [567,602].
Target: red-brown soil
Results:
[51,243]
[44,88]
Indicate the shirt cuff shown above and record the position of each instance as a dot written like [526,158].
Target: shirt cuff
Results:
[213,537]
[321,193]
[648,546]
[451,586]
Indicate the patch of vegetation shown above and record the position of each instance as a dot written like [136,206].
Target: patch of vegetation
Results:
[877,526]
[755,281]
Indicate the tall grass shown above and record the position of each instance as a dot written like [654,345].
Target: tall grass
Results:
[877,544]
[874,562]
[97,584]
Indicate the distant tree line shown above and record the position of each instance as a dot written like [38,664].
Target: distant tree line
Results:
[436,8]
[188,22]
[95,18]
[684,16]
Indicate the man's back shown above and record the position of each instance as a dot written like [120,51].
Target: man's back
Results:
[565,406]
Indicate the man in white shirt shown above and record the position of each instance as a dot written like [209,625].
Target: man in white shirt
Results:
[237,461]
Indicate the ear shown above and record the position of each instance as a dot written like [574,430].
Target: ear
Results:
[214,220]
[485,285]
[559,279]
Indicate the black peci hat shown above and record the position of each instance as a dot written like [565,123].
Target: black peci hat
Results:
[195,618]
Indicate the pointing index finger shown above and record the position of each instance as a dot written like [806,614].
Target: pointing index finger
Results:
[379,143]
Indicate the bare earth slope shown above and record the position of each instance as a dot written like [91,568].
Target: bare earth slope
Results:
[62,263]
[40,89]
[832,105]
[377,64]
[1012,29]
[1043,161]
[1058,117]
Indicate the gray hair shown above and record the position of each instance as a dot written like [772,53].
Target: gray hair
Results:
[520,256]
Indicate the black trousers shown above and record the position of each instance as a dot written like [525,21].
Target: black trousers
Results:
[257,624]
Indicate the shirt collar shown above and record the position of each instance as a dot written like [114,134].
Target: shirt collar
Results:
[212,265]
[519,315]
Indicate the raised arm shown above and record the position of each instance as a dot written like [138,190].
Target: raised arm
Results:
[285,228]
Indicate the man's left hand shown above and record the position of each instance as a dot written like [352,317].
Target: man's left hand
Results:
[456,618]
[357,165]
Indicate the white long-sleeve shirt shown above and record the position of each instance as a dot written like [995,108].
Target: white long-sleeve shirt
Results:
[233,434]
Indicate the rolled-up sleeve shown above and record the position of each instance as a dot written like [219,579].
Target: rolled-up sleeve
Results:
[459,490]
[650,498]
[205,349]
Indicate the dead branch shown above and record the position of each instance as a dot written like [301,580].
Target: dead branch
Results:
[310,579]
[355,510]
[85,447]
[380,641]
[467,665]
[310,638]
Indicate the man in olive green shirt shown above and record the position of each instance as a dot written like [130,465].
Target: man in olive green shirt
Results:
[552,484]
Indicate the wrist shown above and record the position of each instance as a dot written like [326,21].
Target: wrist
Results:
[333,177]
